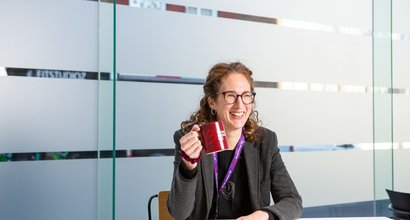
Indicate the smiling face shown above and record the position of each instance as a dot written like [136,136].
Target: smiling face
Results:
[233,116]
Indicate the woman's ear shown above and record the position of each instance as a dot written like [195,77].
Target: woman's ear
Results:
[211,102]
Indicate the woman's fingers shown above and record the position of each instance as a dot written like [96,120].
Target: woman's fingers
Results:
[195,128]
[197,150]
[192,134]
[190,142]
[192,147]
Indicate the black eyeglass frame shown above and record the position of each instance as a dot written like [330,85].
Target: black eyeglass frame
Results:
[237,96]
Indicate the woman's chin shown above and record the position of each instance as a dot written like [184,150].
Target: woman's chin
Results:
[236,126]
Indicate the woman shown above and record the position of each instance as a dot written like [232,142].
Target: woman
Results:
[259,172]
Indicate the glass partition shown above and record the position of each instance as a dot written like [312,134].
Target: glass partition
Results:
[315,66]
[91,99]
[106,112]
[323,79]
[401,94]
[382,103]
[49,109]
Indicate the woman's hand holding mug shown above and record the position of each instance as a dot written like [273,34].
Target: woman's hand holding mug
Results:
[191,146]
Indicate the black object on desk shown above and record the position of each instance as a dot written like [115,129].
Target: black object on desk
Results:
[400,204]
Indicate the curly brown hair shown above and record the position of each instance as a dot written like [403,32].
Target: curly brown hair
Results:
[211,88]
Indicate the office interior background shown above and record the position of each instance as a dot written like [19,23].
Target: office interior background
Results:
[92,92]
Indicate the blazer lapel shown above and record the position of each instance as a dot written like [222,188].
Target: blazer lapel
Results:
[207,167]
[252,162]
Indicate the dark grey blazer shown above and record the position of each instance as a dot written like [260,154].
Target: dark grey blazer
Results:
[192,198]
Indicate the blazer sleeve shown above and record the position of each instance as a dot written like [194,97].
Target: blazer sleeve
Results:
[182,194]
[287,201]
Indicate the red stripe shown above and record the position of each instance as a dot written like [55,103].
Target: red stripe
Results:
[225,14]
[176,8]
[122,2]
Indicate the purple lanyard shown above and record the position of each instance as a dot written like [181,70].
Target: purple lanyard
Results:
[238,150]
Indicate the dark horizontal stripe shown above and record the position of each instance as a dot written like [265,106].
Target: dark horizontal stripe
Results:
[75,155]
[245,17]
[60,74]
[137,153]
[129,153]
[160,79]
[132,77]
[35,156]
[262,84]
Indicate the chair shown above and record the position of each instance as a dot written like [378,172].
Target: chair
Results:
[399,204]
[163,213]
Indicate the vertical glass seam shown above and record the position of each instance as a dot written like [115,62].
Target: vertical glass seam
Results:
[114,109]
[374,112]
[391,94]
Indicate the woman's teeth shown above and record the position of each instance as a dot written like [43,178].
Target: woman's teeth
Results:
[239,114]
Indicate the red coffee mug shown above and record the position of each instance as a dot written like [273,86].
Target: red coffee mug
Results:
[213,137]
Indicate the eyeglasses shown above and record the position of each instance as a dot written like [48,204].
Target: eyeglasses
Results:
[231,97]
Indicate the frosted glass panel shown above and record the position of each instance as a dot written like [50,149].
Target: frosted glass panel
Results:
[49,190]
[400,17]
[382,102]
[51,37]
[303,117]
[401,165]
[196,42]
[34,119]
[401,103]
[331,170]
[149,113]
[137,180]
